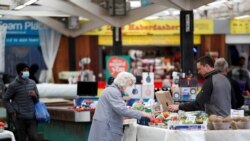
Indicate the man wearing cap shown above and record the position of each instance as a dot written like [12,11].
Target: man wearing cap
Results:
[19,100]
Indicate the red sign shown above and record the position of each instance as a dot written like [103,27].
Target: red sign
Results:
[117,64]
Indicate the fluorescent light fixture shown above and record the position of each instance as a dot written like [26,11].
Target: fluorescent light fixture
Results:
[135,4]
[176,12]
[151,18]
[217,2]
[25,4]
[203,7]
[166,12]
[243,17]
[30,2]
[20,7]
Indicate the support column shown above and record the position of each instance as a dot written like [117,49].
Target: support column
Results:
[72,45]
[187,32]
[117,40]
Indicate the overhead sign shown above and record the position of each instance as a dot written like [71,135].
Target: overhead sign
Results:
[157,27]
[146,40]
[21,27]
[21,32]
[240,26]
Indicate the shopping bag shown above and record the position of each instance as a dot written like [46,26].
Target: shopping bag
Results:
[41,112]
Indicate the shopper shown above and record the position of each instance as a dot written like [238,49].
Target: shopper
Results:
[241,75]
[33,70]
[237,99]
[215,95]
[107,123]
[19,101]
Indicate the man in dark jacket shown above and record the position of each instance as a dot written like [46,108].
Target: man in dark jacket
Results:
[236,95]
[19,101]
[215,95]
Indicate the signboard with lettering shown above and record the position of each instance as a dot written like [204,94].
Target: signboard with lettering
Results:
[21,32]
[240,26]
[116,64]
[157,27]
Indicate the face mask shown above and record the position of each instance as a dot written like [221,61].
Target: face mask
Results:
[128,90]
[25,74]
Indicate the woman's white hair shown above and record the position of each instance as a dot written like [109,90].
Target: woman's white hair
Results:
[220,64]
[122,79]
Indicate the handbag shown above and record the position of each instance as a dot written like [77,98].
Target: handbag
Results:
[41,112]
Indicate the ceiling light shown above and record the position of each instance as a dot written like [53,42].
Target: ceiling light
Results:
[151,18]
[30,2]
[243,17]
[176,12]
[135,4]
[20,7]
[217,2]
[25,4]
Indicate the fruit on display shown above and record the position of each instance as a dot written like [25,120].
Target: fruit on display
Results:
[165,114]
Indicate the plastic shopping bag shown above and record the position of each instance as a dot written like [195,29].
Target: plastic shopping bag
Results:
[41,112]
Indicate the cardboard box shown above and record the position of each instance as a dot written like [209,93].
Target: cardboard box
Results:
[164,98]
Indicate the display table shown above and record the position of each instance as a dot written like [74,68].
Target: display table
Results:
[134,132]
[7,135]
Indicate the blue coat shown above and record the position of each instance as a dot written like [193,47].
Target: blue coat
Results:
[107,124]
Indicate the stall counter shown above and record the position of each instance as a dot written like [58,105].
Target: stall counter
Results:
[135,132]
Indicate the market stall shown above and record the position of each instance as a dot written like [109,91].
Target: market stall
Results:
[135,132]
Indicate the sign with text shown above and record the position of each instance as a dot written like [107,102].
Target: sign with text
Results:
[146,40]
[240,26]
[116,64]
[21,32]
[156,27]
[21,27]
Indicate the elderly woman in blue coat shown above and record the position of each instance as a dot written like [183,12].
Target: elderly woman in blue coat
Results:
[107,124]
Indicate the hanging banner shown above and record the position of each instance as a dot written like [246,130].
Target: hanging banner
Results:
[116,64]
[240,26]
[156,27]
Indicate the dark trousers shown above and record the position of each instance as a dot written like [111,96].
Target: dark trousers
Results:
[26,129]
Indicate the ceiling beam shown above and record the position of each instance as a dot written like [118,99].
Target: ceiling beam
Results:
[87,27]
[140,13]
[98,11]
[183,4]
[32,13]
[66,7]
[54,24]
[166,3]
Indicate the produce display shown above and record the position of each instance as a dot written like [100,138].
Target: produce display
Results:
[181,120]
[85,106]
[226,123]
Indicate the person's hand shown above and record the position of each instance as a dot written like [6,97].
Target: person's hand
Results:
[148,115]
[32,93]
[173,108]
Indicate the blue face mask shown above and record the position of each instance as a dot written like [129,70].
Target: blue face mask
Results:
[25,74]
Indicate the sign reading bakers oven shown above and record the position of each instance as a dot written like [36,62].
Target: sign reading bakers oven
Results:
[116,64]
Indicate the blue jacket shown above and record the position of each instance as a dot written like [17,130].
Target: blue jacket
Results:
[17,99]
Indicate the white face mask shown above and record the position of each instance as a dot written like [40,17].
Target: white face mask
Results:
[25,74]
[128,90]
